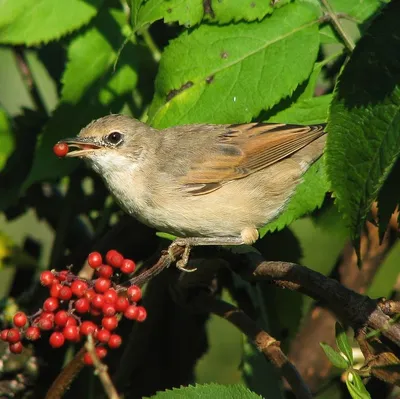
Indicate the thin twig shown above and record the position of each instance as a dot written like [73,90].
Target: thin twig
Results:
[101,370]
[67,375]
[347,40]
[156,53]
[266,344]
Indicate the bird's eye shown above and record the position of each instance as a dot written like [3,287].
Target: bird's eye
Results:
[114,138]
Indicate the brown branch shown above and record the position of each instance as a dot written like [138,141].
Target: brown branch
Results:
[66,377]
[352,308]
[319,323]
[101,370]
[266,344]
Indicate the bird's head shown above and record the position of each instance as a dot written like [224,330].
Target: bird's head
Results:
[114,141]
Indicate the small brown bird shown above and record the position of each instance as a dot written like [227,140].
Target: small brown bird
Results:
[207,184]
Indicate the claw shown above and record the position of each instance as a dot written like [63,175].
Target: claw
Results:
[181,264]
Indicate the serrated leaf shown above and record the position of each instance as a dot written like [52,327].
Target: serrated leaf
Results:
[356,387]
[36,21]
[364,123]
[208,391]
[6,138]
[237,10]
[342,342]
[310,194]
[334,357]
[87,96]
[223,74]
[185,12]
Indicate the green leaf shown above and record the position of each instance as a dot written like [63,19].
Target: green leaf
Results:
[36,21]
[310,194]
[225,74]
[364,123]
[6,138]
[334,357]
[208,391]
[185,12]
[87,95]
[236,10]
[342,342]
[356,387]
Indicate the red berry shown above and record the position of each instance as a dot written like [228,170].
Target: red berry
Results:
[103,335]
[95,260]
[71,322]
[71,333]
[115,341]
[131,312]
[95,312]
[45,324]
[55,290]
[134,293]
[105,271]
[128,266]
[47,316]
[56,340]
[13,335]
[3,335]
[109,323]
[121,304]
[16,347]
[90,294]
[98,301]
[62,275]
[61,318]
[102,284]
[20,319]
[50,304]
[78,288]
[87,327]
[87,359]
[116,260]
[46,278]
[65,293]
[110,296]
[32,333]
[60,149]
[142,314]
[101,352]
[82,305]
[110,254]
[108,309]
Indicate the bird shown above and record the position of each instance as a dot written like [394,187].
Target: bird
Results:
[207,184]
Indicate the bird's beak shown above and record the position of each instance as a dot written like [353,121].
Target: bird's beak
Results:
[83,145]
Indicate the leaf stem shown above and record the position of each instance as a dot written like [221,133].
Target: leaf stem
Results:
[155,51]
[347,40]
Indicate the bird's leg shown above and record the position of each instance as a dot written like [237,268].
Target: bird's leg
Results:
[248,236]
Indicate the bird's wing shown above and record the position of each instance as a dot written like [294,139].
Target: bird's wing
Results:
[243,149]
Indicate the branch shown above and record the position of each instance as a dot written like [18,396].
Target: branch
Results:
[354,309]
[101,370]
[266,344]
[348,42]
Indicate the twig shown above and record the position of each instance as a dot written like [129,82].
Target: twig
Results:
[67,375]
[348,42]
[151,44]
[266,344]
[101,370]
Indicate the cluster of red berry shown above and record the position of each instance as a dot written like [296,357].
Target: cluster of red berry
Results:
[77,307]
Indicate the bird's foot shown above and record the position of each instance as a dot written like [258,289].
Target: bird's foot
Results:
[181,263]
